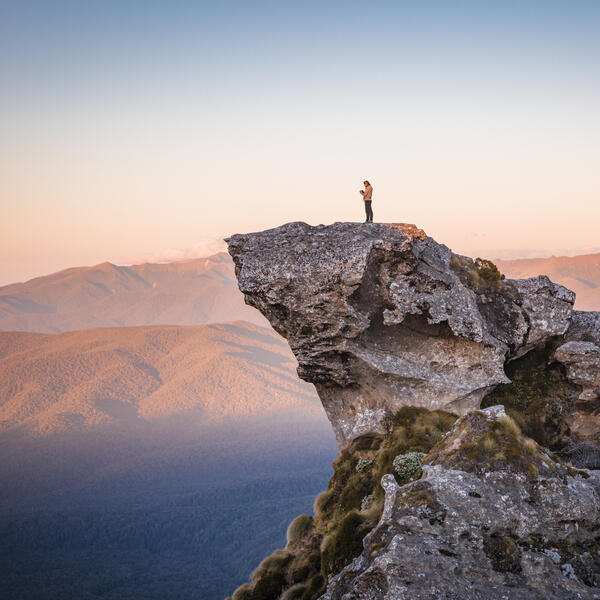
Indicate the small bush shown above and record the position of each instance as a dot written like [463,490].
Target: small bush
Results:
[363,464]
[342,546]
[298,528]
[479,274]
[270,585]
[275,562]
[407,465]
[488,272]
[321,501]
[510,426]
[531,447]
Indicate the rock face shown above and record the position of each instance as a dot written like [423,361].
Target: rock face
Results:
[399,335]
[381,316]
[582,360]
[493,516]
[585,327]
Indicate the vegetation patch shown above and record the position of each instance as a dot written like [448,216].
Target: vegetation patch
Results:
[479,274]
[349,509]
[503,552]
[539,398]
[491,445]
[298,528]
[409,464]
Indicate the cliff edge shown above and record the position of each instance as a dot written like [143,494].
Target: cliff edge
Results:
[467,411]
[381,316]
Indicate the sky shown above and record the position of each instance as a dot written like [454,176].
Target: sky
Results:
[149,130]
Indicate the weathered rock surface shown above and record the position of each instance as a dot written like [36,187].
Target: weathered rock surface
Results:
[381,316]
[386,322]
[582,360]
[584,327]
[493,517]
[581,357]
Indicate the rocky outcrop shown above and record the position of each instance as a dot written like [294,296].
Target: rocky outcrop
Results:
[399,335]
[580,355]
[493,516]
[381,316]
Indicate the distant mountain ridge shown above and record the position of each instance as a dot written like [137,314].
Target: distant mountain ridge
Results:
[201,290]
[578,273]
[127,376]
[191,292]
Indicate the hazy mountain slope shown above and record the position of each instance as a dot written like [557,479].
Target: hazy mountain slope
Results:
[202,374]
[579,273]
[190,292]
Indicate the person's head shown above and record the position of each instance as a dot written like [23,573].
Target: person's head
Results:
[366,183]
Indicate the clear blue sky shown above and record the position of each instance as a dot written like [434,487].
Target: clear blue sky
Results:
[128,128]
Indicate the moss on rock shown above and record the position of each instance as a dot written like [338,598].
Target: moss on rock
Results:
[503,552]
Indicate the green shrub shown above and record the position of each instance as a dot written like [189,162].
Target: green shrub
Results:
[407,465]
[275,562]
[343,545]
[322,501]
[479,274]
[357,487]
[363,464]
[298,528]
[270,585]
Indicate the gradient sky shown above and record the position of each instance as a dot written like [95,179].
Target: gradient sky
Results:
[132,130]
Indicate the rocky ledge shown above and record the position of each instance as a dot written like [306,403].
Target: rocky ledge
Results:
[381,316]
[467,410]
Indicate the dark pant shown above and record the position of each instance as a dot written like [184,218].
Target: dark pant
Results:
[369,210]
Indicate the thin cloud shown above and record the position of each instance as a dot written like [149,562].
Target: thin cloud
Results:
[206,247]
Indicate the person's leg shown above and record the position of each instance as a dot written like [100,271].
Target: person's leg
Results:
[367,211]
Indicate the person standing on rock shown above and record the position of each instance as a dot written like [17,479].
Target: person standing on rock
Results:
[367,195]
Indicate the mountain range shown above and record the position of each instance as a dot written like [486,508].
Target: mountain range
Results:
[191,292]
[129,375]
[198,291]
